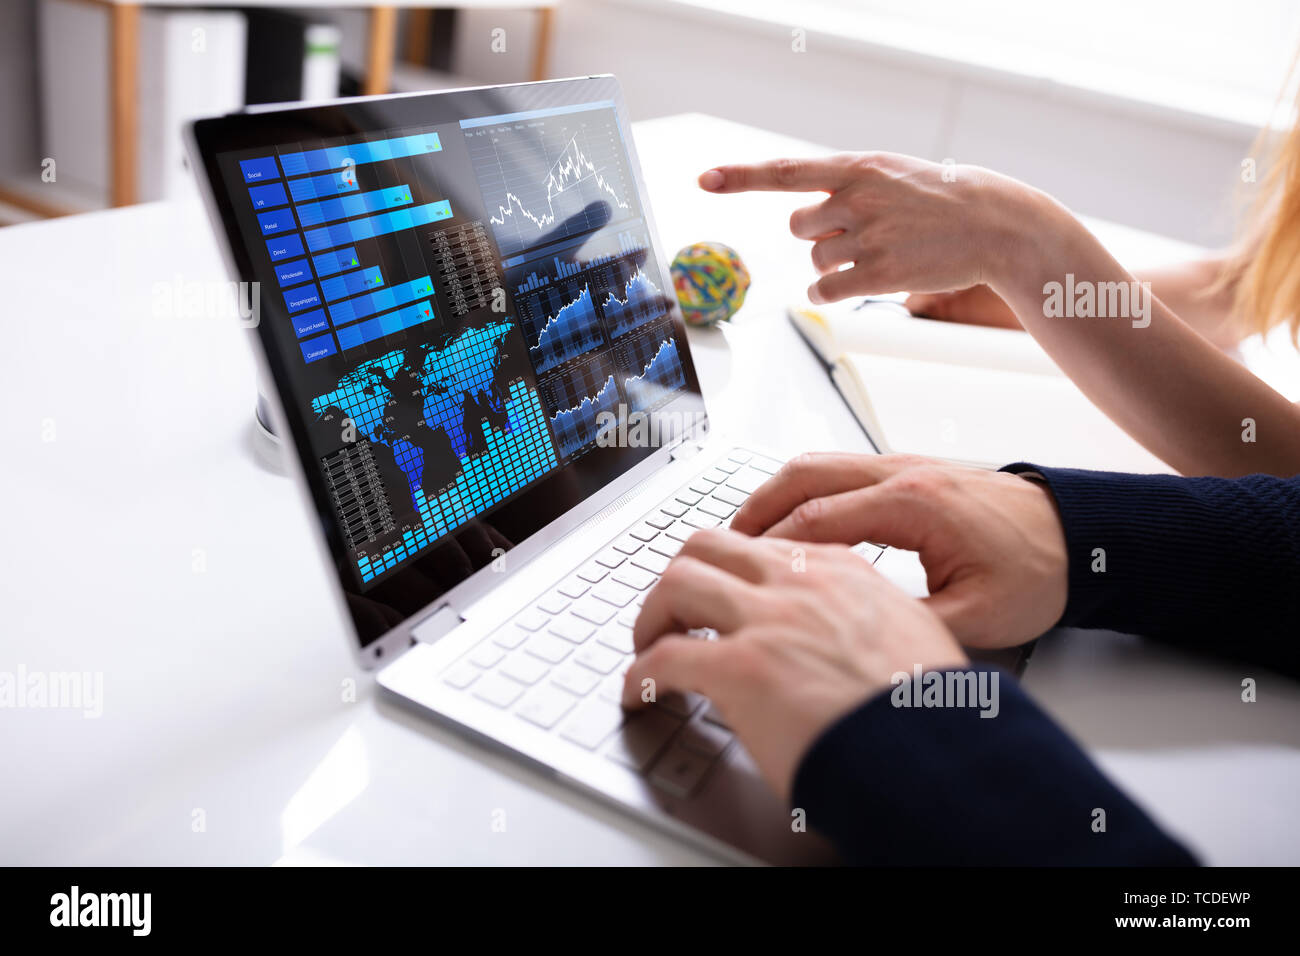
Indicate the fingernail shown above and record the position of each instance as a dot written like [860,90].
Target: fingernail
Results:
[814,295]
[713,179]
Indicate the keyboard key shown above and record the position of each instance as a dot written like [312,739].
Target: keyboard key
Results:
[593,573]
[680,531]
[510,636]
[688,497]
[660,521]
[486,655]
[571,629]
[532,619]
[600,659]
[628,617]
[634,577]
[649,561]
[594,721]
[731,496]
[597,612]
[642,739]
[870,552]
[544,706]
[576,680]
[574,588]
[627,544]
[497,690]
[705,738]
[553,603]
[746,480]
[712,506]
[610,558]
[769,465]
[701,487]
[674,509]
[616,637]
[461,675]
[619,595]
[680,771]
[714,475]
[728,466]
[667,546]
[548,647]
[698,519]
[740,456]
[611,689]
[524,668]
[644,532]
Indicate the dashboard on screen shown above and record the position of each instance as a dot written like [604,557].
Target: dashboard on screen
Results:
[456,309]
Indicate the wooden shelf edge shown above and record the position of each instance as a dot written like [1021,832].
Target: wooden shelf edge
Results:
[29,203]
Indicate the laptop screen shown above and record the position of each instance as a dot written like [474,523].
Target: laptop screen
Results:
[461,303]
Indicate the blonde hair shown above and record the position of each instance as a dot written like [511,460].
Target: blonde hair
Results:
[1264,273]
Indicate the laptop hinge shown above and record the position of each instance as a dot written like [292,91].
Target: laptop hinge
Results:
[437,625]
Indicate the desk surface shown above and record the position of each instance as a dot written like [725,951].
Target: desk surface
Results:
[132,470]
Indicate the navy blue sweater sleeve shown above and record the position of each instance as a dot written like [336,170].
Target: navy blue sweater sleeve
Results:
[944,786]
[1210,564]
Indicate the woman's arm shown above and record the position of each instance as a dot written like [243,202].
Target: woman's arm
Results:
[1161,381]
[1191,289]
[895,222]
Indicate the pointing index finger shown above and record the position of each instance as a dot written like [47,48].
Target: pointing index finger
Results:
[824,173]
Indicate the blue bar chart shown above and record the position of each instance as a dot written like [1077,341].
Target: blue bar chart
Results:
[351,283]
[336,158]
[390,298]
[357,204]
[339,260]
[325,214]
[351,336]
[355,230]
[323,187]
[534,281]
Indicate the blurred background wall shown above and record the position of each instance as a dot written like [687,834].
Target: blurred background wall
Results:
[1139,112]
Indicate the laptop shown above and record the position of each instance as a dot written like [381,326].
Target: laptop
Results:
[471,343]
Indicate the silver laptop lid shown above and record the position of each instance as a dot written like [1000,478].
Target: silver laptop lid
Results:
[460,294]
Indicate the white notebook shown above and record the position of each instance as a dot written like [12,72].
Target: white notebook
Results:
[964,393]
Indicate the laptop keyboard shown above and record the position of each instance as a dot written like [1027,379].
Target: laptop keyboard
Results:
[559,663]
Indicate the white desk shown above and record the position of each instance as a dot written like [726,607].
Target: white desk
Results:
[223,685]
